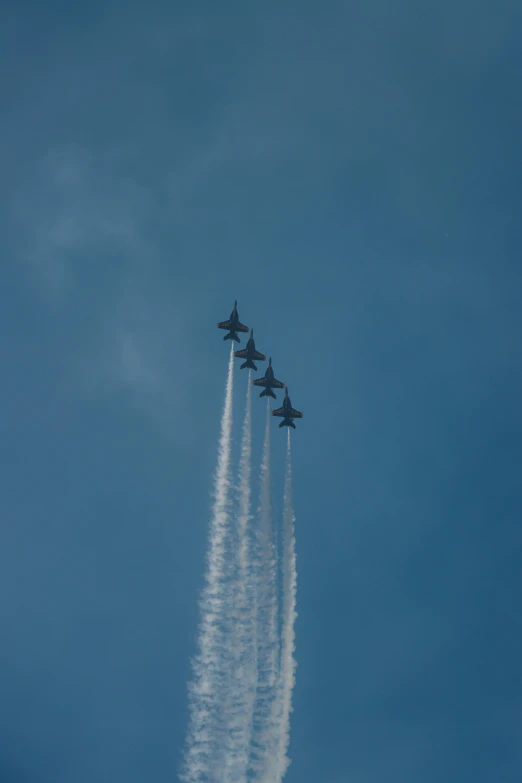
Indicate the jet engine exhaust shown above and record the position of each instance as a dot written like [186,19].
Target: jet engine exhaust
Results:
[210,667]
[243,676]
[265,736]
[288,663]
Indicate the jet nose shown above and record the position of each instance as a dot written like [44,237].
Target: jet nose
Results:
[235,303]
[270,361]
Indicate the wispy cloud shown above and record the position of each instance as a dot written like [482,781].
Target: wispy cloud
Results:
[130,355]
[71,205]
[131,364]
[84,242]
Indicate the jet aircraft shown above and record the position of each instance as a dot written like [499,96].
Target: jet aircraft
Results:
[269,382]
[233,325]
[249,353]
[287,412]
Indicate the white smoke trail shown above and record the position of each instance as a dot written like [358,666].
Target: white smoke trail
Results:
[288,663]
[243,674]
[205,740]
[265,738]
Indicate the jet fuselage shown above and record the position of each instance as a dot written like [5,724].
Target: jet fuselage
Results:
[249,353]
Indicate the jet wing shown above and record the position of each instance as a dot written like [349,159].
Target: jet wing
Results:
[224,325]
[259,356]
[259,382]
[278,412]
[242,328]
[241,354]
[293,414]
[278,384]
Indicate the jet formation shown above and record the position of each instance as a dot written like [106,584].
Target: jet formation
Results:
[269,382]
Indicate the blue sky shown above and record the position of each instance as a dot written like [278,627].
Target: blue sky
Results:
[352,174]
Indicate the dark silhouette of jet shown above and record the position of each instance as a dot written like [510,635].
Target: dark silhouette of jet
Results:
[287,412]
[249,353]
[233,325]
[269,382]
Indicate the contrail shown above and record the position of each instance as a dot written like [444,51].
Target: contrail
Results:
[243,674]
[263,761]
[288,663]
[205,737]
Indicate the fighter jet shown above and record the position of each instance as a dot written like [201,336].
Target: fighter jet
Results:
[269,382]
[287,412]
[233,325]
[249,353]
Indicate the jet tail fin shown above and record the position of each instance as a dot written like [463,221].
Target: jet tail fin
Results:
[267,393]
[249,364]
[231,336]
